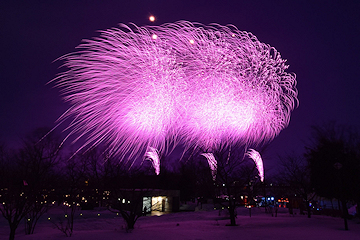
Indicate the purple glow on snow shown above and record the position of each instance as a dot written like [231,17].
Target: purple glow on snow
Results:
[212,163]
[153,155]
[136,87]
[255,155]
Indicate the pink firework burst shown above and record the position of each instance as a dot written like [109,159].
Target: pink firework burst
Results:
[137,88]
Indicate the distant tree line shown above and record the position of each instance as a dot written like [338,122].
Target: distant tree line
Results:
[40,175]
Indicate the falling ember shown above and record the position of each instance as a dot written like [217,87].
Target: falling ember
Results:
[256,157]
[212,163]
[153,155]
[133,93]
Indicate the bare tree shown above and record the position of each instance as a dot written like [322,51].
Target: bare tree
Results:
[14,202]
[72,182]
[334,163]
[129,204]
[36,161]
[295,173]
[233,174]
[195,179]
[127,187]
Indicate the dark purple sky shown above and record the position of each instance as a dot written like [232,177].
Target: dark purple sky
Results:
[320,39]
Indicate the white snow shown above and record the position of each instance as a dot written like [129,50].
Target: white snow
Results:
[193,226]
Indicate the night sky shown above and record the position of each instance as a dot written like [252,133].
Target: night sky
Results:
[320,40]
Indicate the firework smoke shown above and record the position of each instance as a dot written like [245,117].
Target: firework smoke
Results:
[136,87]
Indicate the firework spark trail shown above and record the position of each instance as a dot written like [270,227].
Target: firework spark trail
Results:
[212,163]
[256,157]
[136,87]
[153,155]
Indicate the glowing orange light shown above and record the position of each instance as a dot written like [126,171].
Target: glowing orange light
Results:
[154,36]
[152,18]
[192,41]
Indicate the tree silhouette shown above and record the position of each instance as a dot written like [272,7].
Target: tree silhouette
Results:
[14,203]
[233,174]
[36,161]
[334,163]
[294,172]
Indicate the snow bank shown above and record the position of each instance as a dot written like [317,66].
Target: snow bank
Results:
[102,224]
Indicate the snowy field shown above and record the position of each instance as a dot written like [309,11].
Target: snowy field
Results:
[200,225]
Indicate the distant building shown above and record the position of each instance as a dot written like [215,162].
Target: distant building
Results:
[150,201]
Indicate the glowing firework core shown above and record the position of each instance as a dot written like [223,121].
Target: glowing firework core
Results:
[137,87]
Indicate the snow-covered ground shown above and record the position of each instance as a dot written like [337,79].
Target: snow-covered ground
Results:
[104,225]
